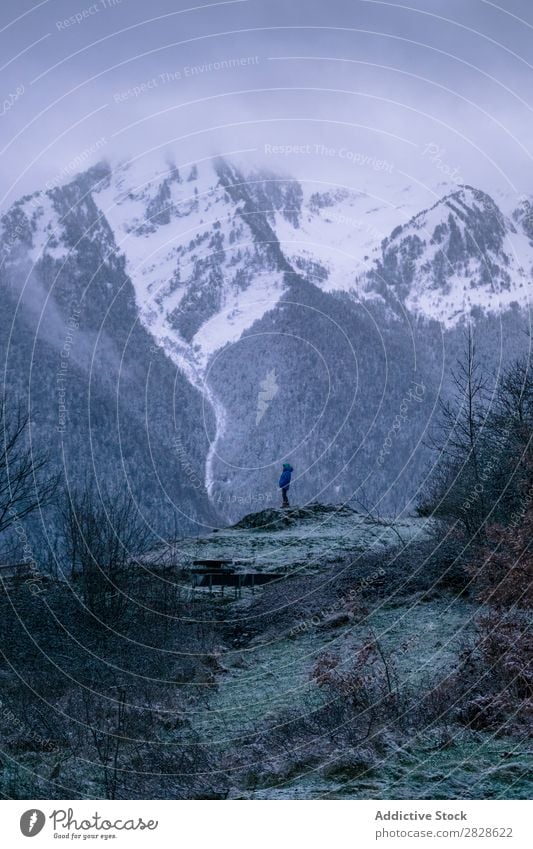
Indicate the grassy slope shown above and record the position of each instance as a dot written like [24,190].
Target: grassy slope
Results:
[254,671]
[421,631]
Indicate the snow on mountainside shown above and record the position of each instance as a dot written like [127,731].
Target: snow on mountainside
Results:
[210,250]
[207,248]
[204,269]
[202,254]
[338,233]
[75,354]
[461,254]
[200,277]
[203,265]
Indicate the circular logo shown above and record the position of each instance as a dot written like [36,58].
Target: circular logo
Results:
[32,822]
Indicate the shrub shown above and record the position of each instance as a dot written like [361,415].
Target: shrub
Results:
[503,574]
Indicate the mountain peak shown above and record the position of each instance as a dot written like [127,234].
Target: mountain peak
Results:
[207,244]
[460,254]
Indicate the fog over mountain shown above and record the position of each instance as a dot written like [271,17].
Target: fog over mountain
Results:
[435,89]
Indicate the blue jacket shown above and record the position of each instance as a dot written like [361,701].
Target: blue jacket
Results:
[285,478]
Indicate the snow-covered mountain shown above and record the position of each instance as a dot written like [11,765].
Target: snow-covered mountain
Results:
[192,258]
[461,254]
[204,270]
[246,278]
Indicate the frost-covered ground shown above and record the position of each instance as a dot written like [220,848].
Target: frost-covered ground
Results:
[300,539]
[265,675]
[234,707]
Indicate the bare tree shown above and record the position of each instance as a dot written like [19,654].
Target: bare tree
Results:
[104,533]
[25,479]
[374,516]
[513,413]
[463,416]
[108,741]
[457,486]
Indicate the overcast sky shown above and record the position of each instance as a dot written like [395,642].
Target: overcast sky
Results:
[358,92]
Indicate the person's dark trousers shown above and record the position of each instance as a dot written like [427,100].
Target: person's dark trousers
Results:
[284,492]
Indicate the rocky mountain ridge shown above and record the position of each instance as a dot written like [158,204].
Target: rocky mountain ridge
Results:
[335,300]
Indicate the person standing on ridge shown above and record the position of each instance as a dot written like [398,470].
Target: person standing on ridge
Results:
[284,483]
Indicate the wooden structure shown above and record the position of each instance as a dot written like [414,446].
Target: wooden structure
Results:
[223,573]
[13,571]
